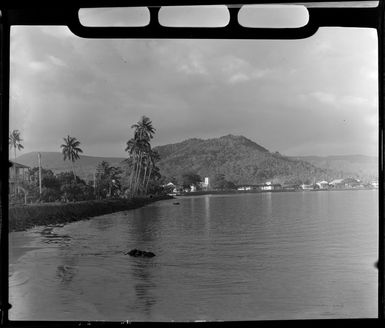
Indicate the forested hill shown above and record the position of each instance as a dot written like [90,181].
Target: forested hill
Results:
[359,166]
[241,160]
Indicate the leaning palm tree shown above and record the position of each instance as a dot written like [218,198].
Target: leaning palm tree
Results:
[153,157]
[15,141]
[71,150]
[136,149]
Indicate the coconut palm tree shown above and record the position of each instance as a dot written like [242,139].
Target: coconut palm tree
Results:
[143,129]
[144,132]
[15,141]
[71,150]
[153,157]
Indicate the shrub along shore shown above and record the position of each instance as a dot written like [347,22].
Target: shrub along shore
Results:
[23,217]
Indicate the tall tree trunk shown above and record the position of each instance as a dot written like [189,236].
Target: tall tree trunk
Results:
[149,176]
[14,172]
[144,176]
[132,176]
[138,173]
[73,171]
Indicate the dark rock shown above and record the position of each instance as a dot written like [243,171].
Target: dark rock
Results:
[138,253]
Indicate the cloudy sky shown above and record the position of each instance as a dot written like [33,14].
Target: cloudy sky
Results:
[316,96]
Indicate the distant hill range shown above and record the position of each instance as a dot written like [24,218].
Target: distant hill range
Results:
[245,162]
[85,166]
[241,160]
[359,166]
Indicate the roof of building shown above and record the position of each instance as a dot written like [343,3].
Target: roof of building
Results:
[336,181]
[18,165]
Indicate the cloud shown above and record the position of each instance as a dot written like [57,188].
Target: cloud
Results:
[322,97]
[56,61]
[37,66]
[285,95]
[193,65]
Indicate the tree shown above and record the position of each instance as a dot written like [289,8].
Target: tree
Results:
[189,178]
[219,181]
[136,149]
[152,158]
[141,158]
[143,129]
[15,141]
[73,188]
[71,150]
[108,180]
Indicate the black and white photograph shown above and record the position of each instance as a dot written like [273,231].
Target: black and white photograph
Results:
[186,179]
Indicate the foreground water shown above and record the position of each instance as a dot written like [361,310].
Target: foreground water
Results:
[224,257]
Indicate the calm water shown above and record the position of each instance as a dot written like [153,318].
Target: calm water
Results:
[227,257]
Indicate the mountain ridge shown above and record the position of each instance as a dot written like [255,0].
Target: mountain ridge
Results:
[239,158]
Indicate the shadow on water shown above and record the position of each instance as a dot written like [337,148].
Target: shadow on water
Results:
[144,233]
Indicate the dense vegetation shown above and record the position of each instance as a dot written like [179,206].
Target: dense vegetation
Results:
[238,159]
[24,217]
[137,176]
[227,161]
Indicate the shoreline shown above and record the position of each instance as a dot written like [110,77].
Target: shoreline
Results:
[24,217]
[234,192]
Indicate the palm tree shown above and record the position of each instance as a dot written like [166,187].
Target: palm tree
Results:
[71,150]
[144,132]
[108,179]
[153,157]
[139,147]
[143,129]
[15,141]
[136,148]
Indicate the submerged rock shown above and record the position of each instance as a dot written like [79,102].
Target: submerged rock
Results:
[138,253]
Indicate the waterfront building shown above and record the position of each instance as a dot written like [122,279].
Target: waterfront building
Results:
[18,173]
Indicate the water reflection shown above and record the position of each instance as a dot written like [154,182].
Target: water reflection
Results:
[145,228]
[221,257]
[144,285]
[65,273]
[207,214]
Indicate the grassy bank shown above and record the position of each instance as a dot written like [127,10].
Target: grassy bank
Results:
[23,217]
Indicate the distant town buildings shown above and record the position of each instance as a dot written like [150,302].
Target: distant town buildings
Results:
[206,183]
[322,185]
[348,183]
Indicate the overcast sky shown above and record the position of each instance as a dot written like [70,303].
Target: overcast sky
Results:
[316,96]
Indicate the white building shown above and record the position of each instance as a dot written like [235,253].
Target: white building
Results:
[322,184]
[267,186]
[374,184]
[306,187]
[206,183]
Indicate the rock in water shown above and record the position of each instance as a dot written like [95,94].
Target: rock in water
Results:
[138,253]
